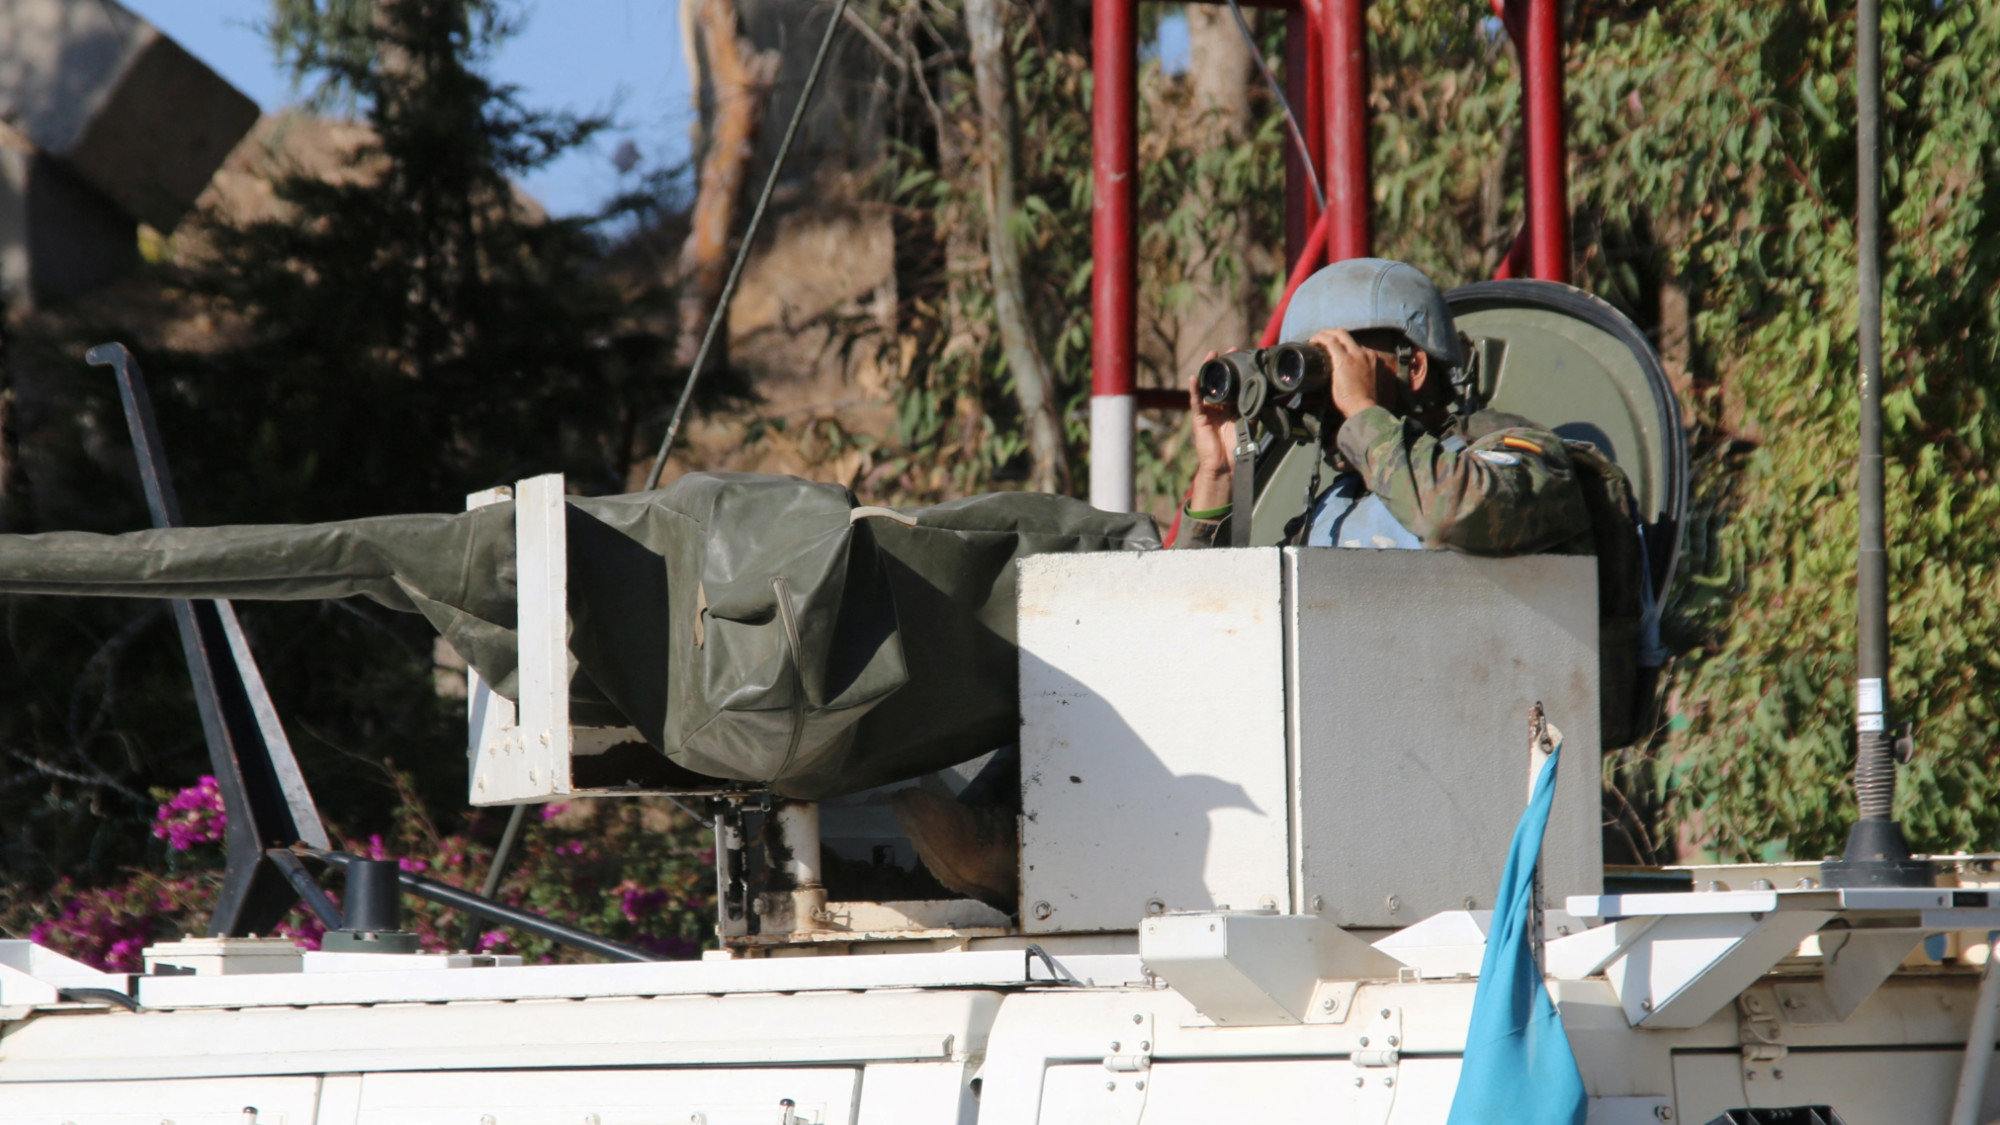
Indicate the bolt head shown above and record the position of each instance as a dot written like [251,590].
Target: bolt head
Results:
[1042,910]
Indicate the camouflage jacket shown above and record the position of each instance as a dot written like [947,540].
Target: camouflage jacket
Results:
[1504,487]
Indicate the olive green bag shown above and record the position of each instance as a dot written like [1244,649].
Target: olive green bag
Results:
[754,628]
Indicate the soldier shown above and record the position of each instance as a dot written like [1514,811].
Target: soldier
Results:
[1419,472]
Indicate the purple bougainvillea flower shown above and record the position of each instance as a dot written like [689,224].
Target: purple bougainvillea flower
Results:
[194,815]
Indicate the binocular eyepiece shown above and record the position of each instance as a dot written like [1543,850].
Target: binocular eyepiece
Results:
[1287,369]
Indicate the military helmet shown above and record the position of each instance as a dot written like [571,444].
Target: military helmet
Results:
[1362,293]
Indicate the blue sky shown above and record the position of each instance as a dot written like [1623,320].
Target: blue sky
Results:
[617,56]
[620,56]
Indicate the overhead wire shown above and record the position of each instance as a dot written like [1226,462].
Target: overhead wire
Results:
[1278,92]
[721,313]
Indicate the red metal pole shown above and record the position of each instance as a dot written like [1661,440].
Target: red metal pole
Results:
[1548,157]
[1115,280]
[1348,191]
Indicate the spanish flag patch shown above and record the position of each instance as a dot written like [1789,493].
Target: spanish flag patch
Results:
[1521,443]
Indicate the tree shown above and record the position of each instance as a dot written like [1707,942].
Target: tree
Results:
[401,333]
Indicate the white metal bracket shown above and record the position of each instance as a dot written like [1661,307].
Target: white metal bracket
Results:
[1676,959]
[521,753]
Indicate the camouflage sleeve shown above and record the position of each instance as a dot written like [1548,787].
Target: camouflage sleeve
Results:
[1511,492]
[1195,534]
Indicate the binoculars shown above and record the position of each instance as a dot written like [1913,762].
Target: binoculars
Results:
[1289,381]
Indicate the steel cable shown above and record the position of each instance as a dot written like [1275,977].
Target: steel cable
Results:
[716,319]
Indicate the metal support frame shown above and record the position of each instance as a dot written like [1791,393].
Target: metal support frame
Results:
[1674,960]
[1326,75]
[264,796]
[271,819]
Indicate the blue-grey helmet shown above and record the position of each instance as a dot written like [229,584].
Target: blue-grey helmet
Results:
[1362,293]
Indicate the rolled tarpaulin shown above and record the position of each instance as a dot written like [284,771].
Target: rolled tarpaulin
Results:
[755,628]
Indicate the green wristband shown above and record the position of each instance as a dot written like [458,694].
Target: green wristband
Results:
[1209,514]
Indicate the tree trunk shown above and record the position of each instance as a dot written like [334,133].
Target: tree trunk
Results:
[1218,316]
[738,81]
[1034,382]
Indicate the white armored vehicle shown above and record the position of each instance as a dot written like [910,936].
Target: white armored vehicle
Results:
[1271,799]
[1258,884]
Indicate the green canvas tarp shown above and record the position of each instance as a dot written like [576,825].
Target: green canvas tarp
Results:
[754,628]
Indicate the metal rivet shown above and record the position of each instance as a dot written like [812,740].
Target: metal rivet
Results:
[1138,1019]
[1663,1112]
[1776,1073]
[1154,906]
[1319,904]
[1385,1013]
[1395,903]
[1646,1005]
[1139,1085]
[1359,1080]
[1388,1080]
[1111,1085]
[1329,1003]
[1749,1076]
[1364,1041]
[1395,1041]
[1145,1044]
[1114,1046]
[1042,911]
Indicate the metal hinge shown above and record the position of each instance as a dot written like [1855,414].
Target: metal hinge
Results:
[1761,1034]
[1377,1059]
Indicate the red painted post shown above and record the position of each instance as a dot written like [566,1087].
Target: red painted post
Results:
[1115,280]
[1548,156]
[1348,190]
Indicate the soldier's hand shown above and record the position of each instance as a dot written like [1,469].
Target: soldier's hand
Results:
[1357,377]
[1214,448]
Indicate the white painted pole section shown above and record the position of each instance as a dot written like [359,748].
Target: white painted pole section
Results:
[798,829]
[1111,430]
[1979,1043]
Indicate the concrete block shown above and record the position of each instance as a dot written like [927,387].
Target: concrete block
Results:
[121,105]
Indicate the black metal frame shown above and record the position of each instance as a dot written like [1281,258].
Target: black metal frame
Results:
[273,826]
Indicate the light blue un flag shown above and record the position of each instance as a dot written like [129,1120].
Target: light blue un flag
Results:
[1518,1067]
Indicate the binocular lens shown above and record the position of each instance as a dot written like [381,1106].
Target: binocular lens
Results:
[1298,366]
[1216,382]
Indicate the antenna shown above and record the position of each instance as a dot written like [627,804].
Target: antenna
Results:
[1877,854]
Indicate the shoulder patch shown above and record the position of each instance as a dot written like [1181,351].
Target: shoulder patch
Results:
[1496,457]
